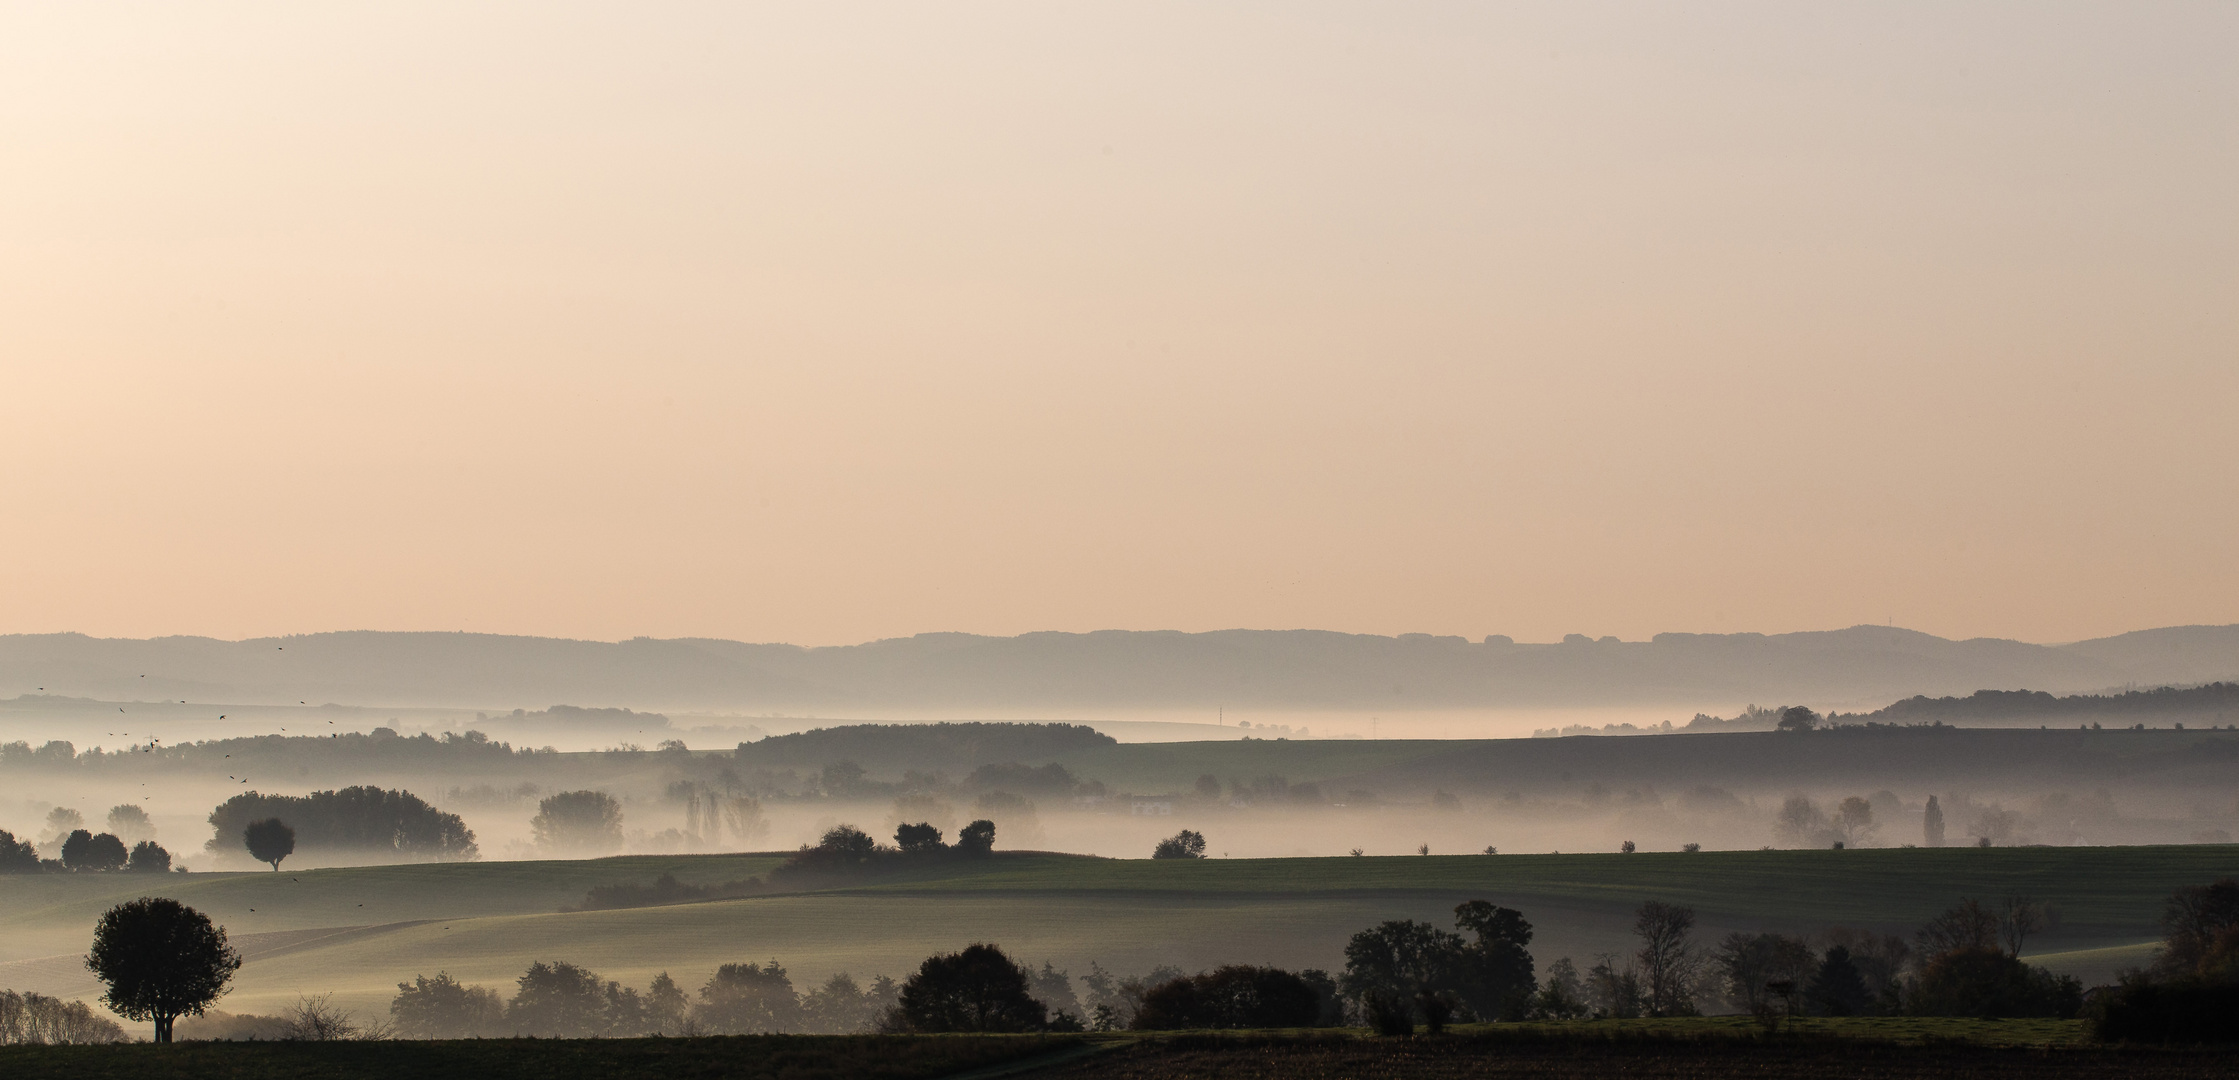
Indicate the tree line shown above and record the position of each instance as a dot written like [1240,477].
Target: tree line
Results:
[161,959]
[128,844]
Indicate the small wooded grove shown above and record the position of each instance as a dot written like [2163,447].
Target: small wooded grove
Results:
[353,819]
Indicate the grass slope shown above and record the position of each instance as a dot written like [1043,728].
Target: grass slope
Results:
[484,922]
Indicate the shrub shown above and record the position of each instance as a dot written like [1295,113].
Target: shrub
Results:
[2151,1013]
[1237,996]
[1388,1015]
[1988,984]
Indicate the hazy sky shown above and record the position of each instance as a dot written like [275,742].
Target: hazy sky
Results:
[827,322]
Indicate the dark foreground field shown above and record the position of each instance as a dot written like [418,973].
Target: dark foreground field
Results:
[1975,1050]
[731,1057]
[1644,1058]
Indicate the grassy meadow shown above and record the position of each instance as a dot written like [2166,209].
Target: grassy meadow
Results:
[356,931]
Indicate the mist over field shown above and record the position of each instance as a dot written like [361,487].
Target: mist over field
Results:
[1124,541]
[1308,776]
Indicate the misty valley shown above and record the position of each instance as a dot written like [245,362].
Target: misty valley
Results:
[448,885]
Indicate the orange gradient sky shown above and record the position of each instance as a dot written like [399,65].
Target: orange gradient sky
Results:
[827,322]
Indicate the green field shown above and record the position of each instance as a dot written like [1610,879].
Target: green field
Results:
[355,932]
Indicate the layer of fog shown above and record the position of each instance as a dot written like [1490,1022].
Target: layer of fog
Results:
[1251,817]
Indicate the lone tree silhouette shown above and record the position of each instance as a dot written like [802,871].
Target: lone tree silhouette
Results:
[979,989]
[270,841]
[160,958]
[976,839]
[1187,844]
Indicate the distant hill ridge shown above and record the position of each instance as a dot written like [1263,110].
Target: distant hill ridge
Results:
[1301,669]
[2215,703]
[923,747]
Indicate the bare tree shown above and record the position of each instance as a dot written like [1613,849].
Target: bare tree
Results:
[1752,965]
[1670,965]
[1801,824]
[1853,823]
[315,1018]
[2022,917]
[1968,925]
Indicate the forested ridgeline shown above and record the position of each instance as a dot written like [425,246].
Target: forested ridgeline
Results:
[880,761]
[381,748]
[2215,704]
[1851,755]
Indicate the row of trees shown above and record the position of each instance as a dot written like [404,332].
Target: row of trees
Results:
[845,848]
[162,960]
[560,999]
[84,852]
[36,1019]
[1851,823]
[1967,963]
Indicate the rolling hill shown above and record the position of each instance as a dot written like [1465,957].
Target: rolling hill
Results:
[1291,669]
[306,932]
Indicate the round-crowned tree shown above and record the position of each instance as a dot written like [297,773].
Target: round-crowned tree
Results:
[921,838]
[270,840]
[74,849]
[160,959]
[979,989]
[148,857]
[106,852]
[578,822]
[976,839]
[1187,844]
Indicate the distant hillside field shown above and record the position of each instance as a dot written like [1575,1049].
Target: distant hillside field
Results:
[2216,704]
[306,933]
[1284,669]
